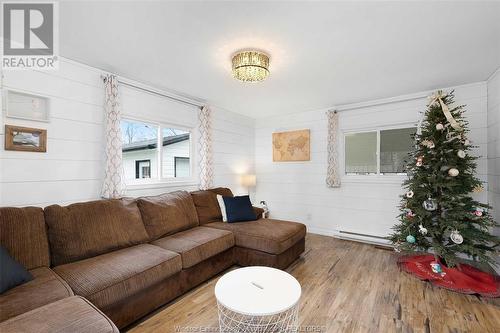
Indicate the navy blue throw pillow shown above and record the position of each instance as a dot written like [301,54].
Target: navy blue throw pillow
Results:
[239,209]
[12,273]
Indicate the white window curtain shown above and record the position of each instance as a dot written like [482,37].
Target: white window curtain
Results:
[205,130]
[332,176]
[113,174]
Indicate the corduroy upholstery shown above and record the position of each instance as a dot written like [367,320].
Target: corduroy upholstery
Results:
[101,251]
[46,287]
[206,204]
[87,229]
[22,233]
[248,257]
[111,277]
[70,315]
[266,235]
[197,244]
[168,213]
[130,309]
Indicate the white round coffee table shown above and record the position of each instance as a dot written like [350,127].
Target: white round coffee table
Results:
[257,299]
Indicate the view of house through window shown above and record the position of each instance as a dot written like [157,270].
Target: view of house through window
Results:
[176,146]
[363,149]
[139,150]
[143,160]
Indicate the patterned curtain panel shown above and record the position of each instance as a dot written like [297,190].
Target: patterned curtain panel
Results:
[113,175]
[205,129]
[332,176]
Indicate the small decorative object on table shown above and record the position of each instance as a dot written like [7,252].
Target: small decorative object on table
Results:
[258,299]
[263,205]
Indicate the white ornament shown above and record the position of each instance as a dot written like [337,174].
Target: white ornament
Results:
[428,143]
[453,172]
[461,154]
[422,230]
[409,194]
[456,237]
[466,142]
[439,127]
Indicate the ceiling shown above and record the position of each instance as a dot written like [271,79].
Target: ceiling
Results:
[322,53]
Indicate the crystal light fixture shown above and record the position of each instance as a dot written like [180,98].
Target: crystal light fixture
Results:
[250,66]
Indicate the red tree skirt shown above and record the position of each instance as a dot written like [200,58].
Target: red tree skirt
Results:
[467,280]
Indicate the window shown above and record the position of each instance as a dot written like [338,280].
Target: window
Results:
[176,146]
[139,144]
[144,161]
[143,169]
[361,153]
[378,152]
[394,147]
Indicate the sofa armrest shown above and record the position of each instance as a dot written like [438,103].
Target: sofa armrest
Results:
[258,211]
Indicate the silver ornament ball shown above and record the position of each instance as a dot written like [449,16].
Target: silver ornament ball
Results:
[430,204]
[456,237]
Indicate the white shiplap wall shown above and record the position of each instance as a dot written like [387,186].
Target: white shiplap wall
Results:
[72,168]
[363,204]
[494,146]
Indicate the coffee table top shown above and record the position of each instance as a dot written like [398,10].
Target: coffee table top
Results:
[258,291]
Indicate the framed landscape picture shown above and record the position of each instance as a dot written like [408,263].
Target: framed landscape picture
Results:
[25,139]
[291,146]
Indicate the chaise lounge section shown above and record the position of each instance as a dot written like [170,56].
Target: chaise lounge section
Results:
[265,242]
[127,257]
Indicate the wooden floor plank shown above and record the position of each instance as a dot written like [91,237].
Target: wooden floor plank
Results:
[347,287]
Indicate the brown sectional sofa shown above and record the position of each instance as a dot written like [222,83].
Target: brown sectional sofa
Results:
[128,257]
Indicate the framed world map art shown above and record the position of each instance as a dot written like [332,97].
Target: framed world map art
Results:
[292,146]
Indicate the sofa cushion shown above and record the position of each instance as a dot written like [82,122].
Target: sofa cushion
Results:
[168,213]
[12,273]
[87,229]
[266,235]
[206,204]
[112,277]
[46,287]
[197,244]
[239,209]
[72,314]
[23,234]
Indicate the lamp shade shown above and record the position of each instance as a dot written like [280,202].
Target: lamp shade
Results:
[248,180]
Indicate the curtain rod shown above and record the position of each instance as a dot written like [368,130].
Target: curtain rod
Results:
[397,99]
[156,93]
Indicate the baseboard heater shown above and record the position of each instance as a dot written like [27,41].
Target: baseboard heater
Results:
[356,236]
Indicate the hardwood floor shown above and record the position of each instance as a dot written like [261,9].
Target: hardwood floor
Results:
[347,287]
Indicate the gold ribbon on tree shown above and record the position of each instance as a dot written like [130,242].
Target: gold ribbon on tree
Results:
[438,97]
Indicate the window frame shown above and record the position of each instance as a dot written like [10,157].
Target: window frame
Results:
[137,170]
[378,174]
[159,180]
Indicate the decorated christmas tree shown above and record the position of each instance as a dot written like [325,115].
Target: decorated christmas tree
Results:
[438,212]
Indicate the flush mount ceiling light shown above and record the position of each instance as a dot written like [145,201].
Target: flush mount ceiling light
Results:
[250,66]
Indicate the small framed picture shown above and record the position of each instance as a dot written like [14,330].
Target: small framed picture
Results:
[25,139]
[22,105]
